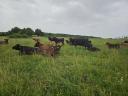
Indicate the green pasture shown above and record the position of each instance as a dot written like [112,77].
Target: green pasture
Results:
[73,72]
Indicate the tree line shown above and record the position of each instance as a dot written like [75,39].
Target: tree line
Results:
[17,32]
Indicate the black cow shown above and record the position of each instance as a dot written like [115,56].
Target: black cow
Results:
[79,42]
[56,40]
[25,49]
[126,41]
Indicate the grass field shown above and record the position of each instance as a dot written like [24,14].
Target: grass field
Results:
[74,72]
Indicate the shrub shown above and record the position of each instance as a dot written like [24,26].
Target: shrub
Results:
[17,35]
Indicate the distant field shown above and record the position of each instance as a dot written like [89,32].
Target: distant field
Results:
[73,72]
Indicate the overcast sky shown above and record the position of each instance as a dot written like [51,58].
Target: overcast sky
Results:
[104,18]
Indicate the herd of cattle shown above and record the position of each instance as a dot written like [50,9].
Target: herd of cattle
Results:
[53,49]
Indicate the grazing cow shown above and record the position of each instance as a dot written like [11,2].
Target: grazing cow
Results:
[25,49]
[79,42]
[50,50]
[93,49]
[4,42]
[56,40]
[112,45]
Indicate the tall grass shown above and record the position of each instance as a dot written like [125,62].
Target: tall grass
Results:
[74,72]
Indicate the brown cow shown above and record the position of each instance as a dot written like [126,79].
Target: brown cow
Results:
[4,42]
[112,45]
[124,44]
[50,50]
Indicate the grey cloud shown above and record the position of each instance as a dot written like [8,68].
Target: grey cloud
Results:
[105,18]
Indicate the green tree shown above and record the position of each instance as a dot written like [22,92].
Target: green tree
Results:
[29,31]
[14,30]
[38,32]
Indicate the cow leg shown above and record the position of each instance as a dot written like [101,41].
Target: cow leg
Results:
[53,54]
[50,54]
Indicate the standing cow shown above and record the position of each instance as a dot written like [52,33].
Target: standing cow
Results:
[110,45]
[56,40]
[79,42]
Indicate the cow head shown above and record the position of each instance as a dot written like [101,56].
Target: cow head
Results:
[16,47]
